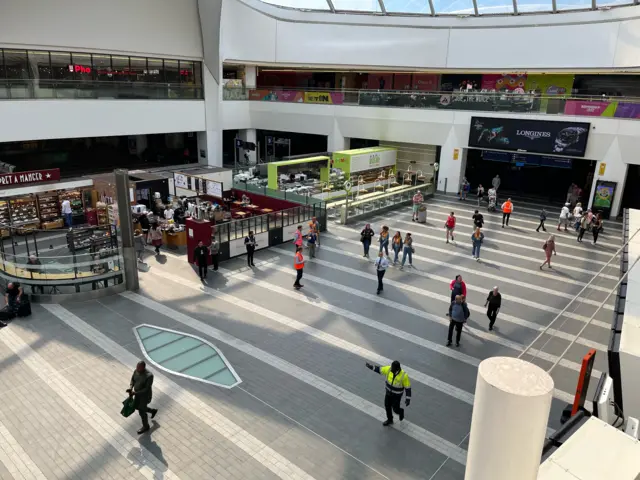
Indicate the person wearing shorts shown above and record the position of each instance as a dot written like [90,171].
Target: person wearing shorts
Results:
[450,226]
[417,201]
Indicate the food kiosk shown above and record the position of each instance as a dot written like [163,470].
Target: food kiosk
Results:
[366,162]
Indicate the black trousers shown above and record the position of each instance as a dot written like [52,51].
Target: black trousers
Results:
[492,313]
[380,276]
[458,327]
[505,216]
[541,226]
[143,409]
[581,234]
[298,276]
[215,261]
[596,232]
[392,403]
[202,269]
[250,251]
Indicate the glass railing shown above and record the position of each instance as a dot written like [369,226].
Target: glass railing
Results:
[61,261]
[280,194]
[482,101]
[69,89]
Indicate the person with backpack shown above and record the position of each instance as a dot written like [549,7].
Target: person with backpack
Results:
[459,315]
[543,217]
[549,247]
[478,219]
[366,235]
[477,238]
[312,239]
[507,208]
[457,287]
[396,245]
[450,226]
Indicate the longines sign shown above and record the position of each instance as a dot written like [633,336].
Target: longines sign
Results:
[536,136]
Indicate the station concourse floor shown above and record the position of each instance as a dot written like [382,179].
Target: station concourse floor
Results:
[307,407]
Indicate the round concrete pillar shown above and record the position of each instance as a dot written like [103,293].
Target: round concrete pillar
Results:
[510,415]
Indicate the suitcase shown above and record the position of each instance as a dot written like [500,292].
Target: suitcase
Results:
[24,310]
[6,314]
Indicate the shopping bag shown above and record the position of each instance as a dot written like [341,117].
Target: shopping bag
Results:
[128,407]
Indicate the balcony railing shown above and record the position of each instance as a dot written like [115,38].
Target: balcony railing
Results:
[482,101]
[71,89]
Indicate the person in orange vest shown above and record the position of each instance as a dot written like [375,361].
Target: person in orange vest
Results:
[298,264]
[507,208]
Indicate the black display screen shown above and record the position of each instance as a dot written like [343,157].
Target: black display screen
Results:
[536,136]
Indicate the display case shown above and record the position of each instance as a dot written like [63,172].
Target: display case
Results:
[112,214]
[24,211]
[4,213]
[103,215]
[79,239]
[49,207]
[77,207]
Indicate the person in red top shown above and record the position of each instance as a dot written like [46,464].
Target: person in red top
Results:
[457,287]
[298,264]
[450,226]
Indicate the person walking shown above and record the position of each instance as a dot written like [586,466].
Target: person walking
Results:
[478,219]
[480,193]
[201,259]
[155,237]
[577,216]
[67,213]
[549,247]
[215,253]
[417,201]
[396,383]
[383,239]
[366,235]
[459,314]
[477,238]
[493,303]
[139,244]
[598,225]
[495,183]
[297,237]
[450,226]
[457,287]
[543,218]
[464,189]
[312,241]
[315,224]
[582,227]
[381,264]
[507,208]
[565,213]
[250,244]
[298,264]
[141,389]
[407,250]
[396,245]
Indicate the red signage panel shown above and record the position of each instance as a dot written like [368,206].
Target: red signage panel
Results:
[34,176]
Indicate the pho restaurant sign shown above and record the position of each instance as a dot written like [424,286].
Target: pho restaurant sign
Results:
[34,176]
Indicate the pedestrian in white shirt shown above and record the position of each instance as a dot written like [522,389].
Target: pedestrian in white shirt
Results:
[577,216]
[565,213]
[67,213]
[168,213]
[496,182]
[381,264]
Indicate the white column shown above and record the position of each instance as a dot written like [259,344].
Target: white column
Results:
[210,141]
[509,421]
[615,170]
[250,76]
[453,163]
[336,142]
[249,135]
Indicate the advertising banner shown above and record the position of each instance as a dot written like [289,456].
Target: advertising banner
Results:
[508,81]
[326,98]
[426,82]
[561,138]
[627,110]
[550,84]
[276,95]
[34,176]
[589,108]
[367,161]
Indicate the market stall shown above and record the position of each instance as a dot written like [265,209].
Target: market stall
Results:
[302,175]
[366,164]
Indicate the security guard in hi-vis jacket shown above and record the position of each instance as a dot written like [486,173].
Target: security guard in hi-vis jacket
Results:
[396,383]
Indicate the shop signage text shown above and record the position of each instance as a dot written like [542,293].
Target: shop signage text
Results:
[126,71]
[37,176]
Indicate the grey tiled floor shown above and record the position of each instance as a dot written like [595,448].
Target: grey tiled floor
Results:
[307,407]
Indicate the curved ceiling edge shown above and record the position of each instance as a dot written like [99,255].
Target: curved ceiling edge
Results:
[564,18]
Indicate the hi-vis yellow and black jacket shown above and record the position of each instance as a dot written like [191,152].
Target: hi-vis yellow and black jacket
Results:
[394,384]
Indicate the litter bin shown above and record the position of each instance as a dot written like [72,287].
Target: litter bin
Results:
[422,213]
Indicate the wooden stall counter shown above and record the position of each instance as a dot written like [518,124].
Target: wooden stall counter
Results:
[175,239]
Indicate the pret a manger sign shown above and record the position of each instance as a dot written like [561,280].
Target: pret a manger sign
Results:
[22,178]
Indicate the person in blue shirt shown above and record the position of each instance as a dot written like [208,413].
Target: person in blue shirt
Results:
[459,315]
[312,239]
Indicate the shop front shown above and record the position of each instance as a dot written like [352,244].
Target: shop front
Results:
[533,158]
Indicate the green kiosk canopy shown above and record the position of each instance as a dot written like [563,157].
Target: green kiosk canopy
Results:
[272,169]
[351,162]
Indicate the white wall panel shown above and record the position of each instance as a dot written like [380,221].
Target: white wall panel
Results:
[151,27]
[567,46]
[329,44]
[246,34]
[628,45]
[45,119]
